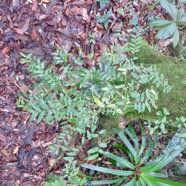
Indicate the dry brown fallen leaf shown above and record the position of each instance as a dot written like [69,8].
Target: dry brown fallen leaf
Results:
[24,25]
[2,138]
[83,12]
[30,1]
[45,1]
[5,50]
[16,150]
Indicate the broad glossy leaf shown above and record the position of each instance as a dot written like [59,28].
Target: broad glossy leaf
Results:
[176,38]
[182,20]
[148,153]
[148,180]
[141,181]
[124,149]
[143,139]
[103,182]
[129,146]
[159,23]
[133,136]
[170,8]
[167,31]
[118,159]
[108,171]
[93,157]
[160,181]
[157,175]
[130,183]
[103,3]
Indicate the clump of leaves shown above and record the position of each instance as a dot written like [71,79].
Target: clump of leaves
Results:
[54,180]
[170,28]
[105,19]
[136,168]
[111,87]
[77,96]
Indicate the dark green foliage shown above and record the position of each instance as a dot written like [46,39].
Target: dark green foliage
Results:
[136,168]
[170,28]
[77,96]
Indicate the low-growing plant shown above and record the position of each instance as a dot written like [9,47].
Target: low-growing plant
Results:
[105,19]
[170,28]
[159,125]
[136,167]
[76,96]
[54,180]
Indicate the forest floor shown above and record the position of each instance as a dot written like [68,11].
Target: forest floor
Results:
[40,27]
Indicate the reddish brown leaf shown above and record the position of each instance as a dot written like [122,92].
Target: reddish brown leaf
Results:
[2,138]
[5,50]
[35,35]
[18,31]
[4,153]
[34,6]
[83,12]
[24,25]
[35,51]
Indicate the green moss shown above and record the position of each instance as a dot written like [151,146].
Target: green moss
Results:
[150,55]
[175,71]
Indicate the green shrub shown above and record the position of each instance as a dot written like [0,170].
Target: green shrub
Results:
[134,164]
[170,28]
[75,97]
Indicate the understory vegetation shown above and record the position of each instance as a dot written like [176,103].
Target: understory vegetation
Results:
[134,95]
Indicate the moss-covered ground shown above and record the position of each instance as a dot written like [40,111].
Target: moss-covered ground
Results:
[175,71]
[175,101]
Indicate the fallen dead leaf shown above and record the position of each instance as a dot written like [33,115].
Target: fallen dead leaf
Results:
[83,12]
[24,25]
[35,35]
[5,50]
[18,31]
[35,5]
[45,1]
[4,153]
[16,150]
[2,138]
[15,2]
